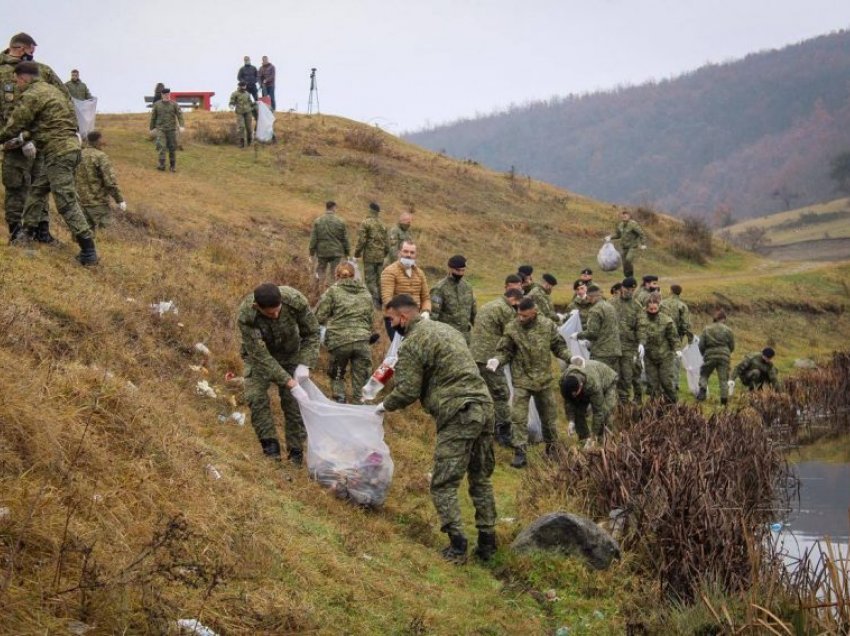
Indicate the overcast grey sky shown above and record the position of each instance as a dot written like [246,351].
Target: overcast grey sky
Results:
[404,64]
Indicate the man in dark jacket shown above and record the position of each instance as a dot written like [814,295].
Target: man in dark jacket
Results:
[248,73]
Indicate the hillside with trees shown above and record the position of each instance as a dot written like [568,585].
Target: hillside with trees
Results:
[738,139]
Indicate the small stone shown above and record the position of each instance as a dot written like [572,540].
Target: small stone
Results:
[551,595]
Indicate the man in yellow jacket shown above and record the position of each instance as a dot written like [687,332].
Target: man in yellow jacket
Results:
[405,277]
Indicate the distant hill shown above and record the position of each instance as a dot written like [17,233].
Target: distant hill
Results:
[747,137]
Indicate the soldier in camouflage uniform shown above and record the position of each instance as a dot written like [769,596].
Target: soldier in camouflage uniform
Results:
[17,168]
[757,369]
[435,367]
[166,120]
[525,273]
[243,106]
[716,346]
[589,383]
[527,345]
[602,330]
[96,183]
[76,88]
[452,300]
[580,302]
[649,285]
[280,343]
[541,294]
[47,115]
[489,327]
[628,312]
[373,245]
[658,337]
[346,309]
[328,242]
[632,238]
[676,308]
[398,234]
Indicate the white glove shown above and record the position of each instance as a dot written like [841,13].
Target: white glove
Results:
[492,364]
[380,410]
[425,315]
[153,133]
[641,351]
[560,317]
[608,239]
[299,393]
[731,385]
[679,355]
[571,429]
[301,373]
[29,150]
[643,247]
[19,140]
[574,335]
[181,129]
[122,206]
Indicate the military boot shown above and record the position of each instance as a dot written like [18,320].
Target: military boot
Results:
[24,236]
[242,142]
[724,401]
[456,550]
[701,395]
[43,235]
[15,231]
[486,545]
[296,456]
[161,164]
[172,164]
[271,448]
[88,253]
[519,460]
[503,434]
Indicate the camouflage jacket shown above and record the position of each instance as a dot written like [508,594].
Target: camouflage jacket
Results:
[489,328]
[329,237]
[346,309]
[543,300]
[628,313]
[597,378]
[527,348]
[372,241]
[397,235]
[641,296]
[755,362]
[630,234]
[50,119]
[658,335]
[435,367]
[676,308]
[269,345]
[602,331]
[10,91]
[583,305]
[78,90]
[166,115]
[96,180]
[717,343]
[242,102]
[453,303]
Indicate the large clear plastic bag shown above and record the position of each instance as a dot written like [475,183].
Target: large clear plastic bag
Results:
[692,361]
[608,257]
[535,426]
[86,110]
[265,123]
[573,325]
[345,448]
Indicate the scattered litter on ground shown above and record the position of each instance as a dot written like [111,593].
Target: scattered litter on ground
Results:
[201,348]
[164,307]
[237,417]
[212,471]
[194,626]
[204,389]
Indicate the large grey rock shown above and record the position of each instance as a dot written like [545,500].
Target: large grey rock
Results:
[571,534]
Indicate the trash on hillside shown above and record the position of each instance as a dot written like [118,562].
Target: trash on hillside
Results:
[212,471]
[204,389]
[551,595]
[194,626]
[608,257]
[573,325]
[237,417]
[233,380]
[164,307]
[384,372]
[346,451]
[97,498]
[692,361]
[5,513]
[198,368]
[535,426]
[201,348]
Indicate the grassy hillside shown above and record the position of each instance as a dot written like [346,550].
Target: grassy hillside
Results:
[109,511]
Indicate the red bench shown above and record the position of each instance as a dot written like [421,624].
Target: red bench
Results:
[194,99]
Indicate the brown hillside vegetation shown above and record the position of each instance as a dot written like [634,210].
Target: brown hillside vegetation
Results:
[126,504]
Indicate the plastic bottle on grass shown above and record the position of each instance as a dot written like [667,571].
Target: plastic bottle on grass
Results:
[379,379]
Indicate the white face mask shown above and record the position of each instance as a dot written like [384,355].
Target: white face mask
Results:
[407,263]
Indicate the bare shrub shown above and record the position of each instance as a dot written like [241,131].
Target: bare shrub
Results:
[645,215]
[365,140]
[215,133]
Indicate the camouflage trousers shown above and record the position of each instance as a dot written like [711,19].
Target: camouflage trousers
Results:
[359,356]
[659,377]
[458,454]
[166,140]
[56,174]
[629,256]
[372,278]
[547,408]
[577,412]
[629,377]
[257,397]
[497,385]
[245,127]
[325,268]
[710,366]
[754,379]
[612,362]
[98,216]
[17,176]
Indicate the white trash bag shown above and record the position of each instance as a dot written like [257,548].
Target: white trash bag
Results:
[86,110]
[692,361]
[357,274]
[265,123]
[573,325]
[345,448]
[608,257]
[535,426]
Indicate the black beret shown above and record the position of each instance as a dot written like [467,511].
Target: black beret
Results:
[587,271]
[374,207]
[525,270]
[165,91]
[550,279]
[457,262]
[26,68]
[629,282]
